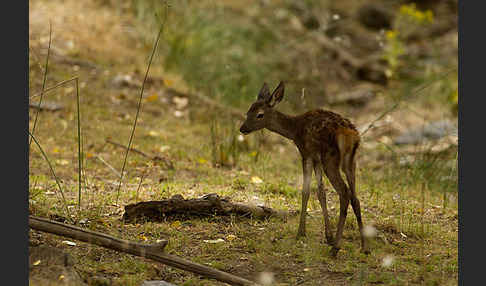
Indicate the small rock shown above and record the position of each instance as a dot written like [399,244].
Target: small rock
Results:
[431,131]
[374,17]
[126,80]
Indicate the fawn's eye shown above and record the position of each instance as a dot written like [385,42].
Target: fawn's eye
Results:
[260,115]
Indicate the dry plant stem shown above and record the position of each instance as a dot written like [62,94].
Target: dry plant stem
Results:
[79,144]
[150,251]
[417,91]
[43,83]
[140,183]
[54,87]
[140,104]
[109,166]
[448,185]
[53,173]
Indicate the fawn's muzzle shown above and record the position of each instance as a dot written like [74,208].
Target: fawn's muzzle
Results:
[244,130]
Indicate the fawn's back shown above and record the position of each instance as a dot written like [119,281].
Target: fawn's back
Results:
[322,130]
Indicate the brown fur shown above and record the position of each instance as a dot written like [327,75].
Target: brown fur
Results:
[327,143]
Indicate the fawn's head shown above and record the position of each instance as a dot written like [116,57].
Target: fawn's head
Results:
[261,111]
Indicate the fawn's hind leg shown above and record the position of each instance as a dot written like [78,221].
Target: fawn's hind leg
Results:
[349,168]
[332,172]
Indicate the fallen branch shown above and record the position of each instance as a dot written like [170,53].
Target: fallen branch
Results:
[368,69]
[207,205]
[168,163]
[150,251]
[213,103]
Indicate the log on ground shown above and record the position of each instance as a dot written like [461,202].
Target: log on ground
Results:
[207,205]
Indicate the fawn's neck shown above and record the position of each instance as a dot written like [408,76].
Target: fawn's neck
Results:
[283,124]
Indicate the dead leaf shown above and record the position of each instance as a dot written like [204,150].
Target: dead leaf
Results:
[62,162]
[219,240]
[180,102]
[70,243]
[168,82]
[164,148]
[178,113]
[256,180]
[152,97]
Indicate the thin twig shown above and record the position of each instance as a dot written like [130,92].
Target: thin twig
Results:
[140,183]
[53,173]
[140,103]
[43,82]
[417,91]
[54,87]
[109,166]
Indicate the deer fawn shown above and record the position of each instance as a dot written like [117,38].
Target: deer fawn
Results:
[326,142]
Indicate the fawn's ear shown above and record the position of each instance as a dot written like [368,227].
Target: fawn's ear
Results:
[264,92]
[277,95]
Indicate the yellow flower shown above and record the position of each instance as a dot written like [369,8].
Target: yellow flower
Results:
[391,34]
[168,82]
[429,16]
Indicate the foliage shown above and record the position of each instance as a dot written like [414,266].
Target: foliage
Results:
[408,21]
[224,59]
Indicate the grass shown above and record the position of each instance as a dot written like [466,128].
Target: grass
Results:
[402,199]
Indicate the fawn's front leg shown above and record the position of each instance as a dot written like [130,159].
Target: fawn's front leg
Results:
[307,171]
[321,195]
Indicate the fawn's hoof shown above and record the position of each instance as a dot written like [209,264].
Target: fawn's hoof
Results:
[334,251]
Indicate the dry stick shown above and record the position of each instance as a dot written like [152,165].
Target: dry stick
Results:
[109,166]
[150,251]
[43,82]
[53,173]
[152,157]
[131,148]
[139,104]
[420,89]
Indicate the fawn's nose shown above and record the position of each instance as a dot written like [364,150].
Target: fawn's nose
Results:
[243,129]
